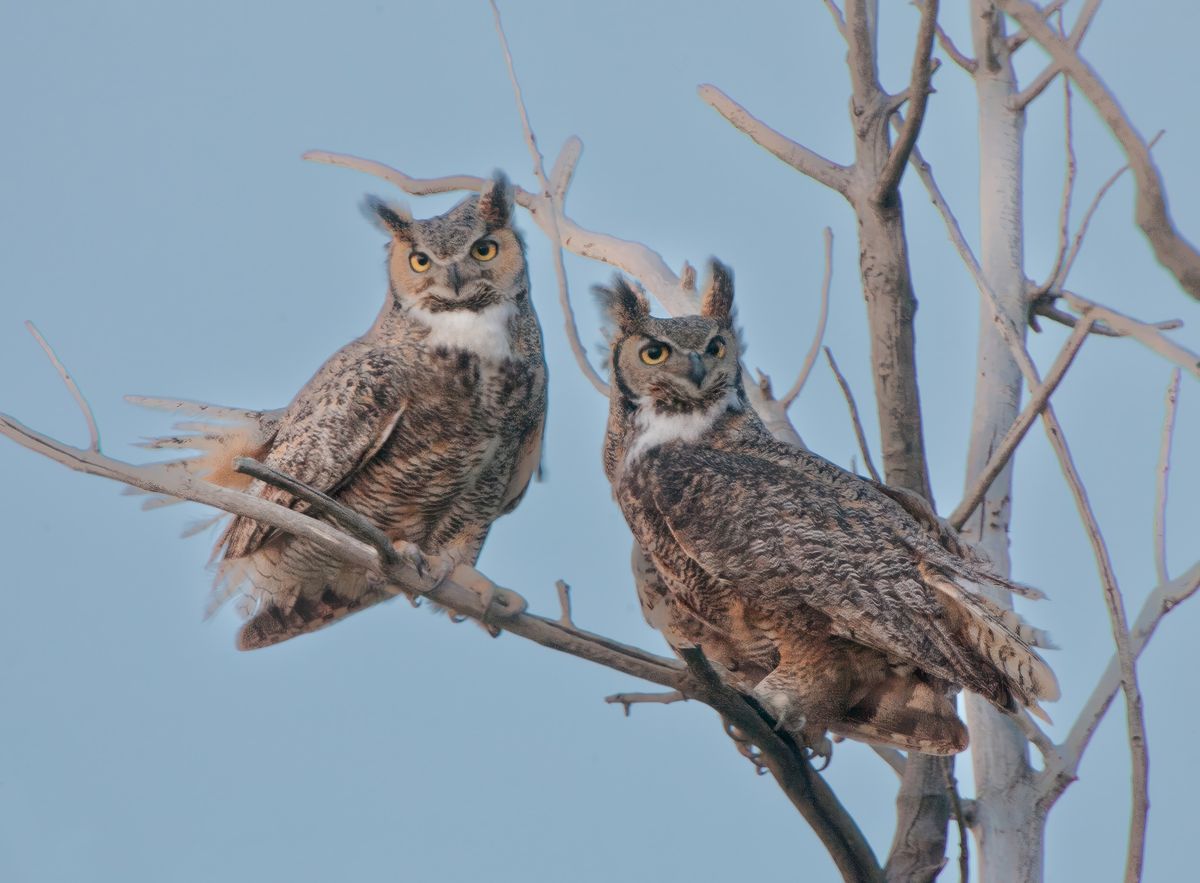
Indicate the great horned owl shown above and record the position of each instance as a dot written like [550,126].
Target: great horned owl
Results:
[430,424]
[840,604]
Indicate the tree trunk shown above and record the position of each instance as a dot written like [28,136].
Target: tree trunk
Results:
[1008,829]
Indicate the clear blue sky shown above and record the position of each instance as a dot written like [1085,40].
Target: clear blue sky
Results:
[157,223]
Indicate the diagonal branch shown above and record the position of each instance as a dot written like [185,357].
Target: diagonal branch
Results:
[810,357]
[1161,601]
[858,427]
[1052,70]
[1060,278]
[470,594]
[563,171]
[72,387]
[1016,433]
[919,90]
[800,158]
[1151,213]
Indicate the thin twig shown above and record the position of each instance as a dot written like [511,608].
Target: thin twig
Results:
[858,429]
[959,57]
[1151,213]
[72,387]
[1016,433]
[1145,333]
[1160,488]
[1053,69]
[964,848]
[564,603]
[628,700]
[554,196]
[819,334]
[1060,278]
[1064,211]
[918,90]
[1162,600]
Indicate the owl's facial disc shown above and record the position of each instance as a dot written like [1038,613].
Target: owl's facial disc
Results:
[467,271]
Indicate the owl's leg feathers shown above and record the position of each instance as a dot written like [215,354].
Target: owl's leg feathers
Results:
[803,702]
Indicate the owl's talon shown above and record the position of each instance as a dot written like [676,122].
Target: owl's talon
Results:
[821,748]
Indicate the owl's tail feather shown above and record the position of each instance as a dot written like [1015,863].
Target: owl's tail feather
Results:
[1001,638]
[908,713]
[273,624]
[224,434]
[288,588]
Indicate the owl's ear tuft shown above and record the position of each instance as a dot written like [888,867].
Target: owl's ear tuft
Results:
[496,201]
[392,218]
[717,300]
[622,304]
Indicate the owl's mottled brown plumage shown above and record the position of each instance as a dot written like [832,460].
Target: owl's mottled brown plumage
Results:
[840,604]
[430,424]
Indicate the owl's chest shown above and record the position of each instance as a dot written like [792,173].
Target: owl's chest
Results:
[457,442]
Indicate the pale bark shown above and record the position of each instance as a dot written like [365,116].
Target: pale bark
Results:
[1010,838]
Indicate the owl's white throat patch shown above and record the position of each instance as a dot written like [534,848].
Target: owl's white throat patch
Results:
[652,429]
[484,333]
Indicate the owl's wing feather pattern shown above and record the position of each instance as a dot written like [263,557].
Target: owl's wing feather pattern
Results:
[341,419]
[529,462]
[784,537]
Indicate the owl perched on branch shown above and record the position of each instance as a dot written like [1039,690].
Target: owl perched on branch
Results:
[840,604]
[430,424]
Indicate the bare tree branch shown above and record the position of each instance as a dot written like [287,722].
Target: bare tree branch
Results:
[810,357]
[1052,70]
[863,447]
[1016,433]
[1160,486]
[564,602]
[1151,212]
[797,156]
[1162,600]
[1060,278]
[72,387]
[1019,39]
[1145,333]
[805,788]
[564,169]
[839,20]
[628,700]
[919,89]
[1064,211]
[956,55]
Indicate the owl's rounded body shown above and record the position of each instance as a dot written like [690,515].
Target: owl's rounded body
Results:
[429,425]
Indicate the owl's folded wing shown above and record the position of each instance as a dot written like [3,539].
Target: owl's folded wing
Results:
[782,541]
[338,422]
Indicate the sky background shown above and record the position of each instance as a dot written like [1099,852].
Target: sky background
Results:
[158,225]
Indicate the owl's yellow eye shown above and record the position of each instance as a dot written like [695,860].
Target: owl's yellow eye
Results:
[484,250]
[419,261]
[716,348]
[655,353]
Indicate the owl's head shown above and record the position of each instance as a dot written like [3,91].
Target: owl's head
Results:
[468,259]
[674,367]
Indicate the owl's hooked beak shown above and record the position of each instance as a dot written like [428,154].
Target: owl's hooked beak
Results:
[696,369]
[455,279]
